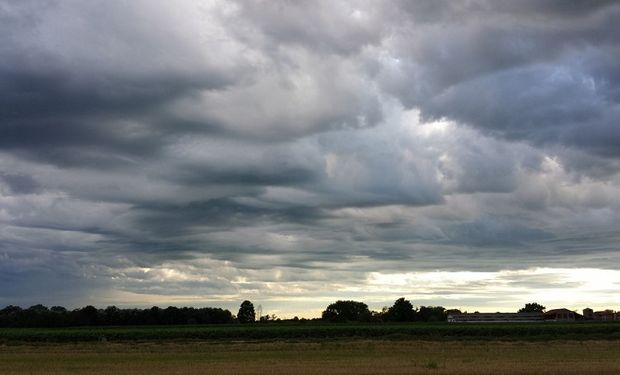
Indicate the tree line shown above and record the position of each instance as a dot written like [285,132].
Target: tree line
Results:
[340,311]
[58,316]
[401,311]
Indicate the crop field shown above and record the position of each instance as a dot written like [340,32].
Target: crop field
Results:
[323,357]
[315,348]
[320,331]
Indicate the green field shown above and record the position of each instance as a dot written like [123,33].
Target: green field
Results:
[320,331]
[324,357]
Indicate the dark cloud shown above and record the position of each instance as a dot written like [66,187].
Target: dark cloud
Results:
[20,184]
[496,233]
[215,215]
[199,152]
[527,71]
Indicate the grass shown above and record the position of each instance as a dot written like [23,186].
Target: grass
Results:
[327,356]
[320,331]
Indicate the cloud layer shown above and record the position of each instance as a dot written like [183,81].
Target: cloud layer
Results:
[212,151]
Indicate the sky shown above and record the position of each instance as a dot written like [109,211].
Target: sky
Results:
[293,153]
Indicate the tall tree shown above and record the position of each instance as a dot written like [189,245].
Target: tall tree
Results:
[533,307]
[347,311]
[246,312]
[432,314]
[401,311]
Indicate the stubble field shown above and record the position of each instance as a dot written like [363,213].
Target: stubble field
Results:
[329,357]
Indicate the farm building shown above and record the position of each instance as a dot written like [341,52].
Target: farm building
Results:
[605,315]
[562,315]
[495,317]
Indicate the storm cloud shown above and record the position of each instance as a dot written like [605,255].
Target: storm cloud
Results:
[208,152]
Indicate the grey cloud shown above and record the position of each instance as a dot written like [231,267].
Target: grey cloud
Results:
[81,78]
[553,8]
[20,184]
[423,11]
[29,275]
[287,150]
[342,28]
[494,232]
[224,161]
[528,72]
[74,69]
[214,215]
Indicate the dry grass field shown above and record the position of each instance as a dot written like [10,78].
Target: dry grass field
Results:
[333,357]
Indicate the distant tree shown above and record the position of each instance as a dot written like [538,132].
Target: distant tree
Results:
[533,307]
[58,309]
[346,311]
[112,315]
[267,318]
[58,316]
[246,312]
[432,314]
[401,311]
[38,308]
[9,316]
[34,316]
[10,309]
[87,316]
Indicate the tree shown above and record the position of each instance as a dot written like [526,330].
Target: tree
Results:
[267,318]
[58,309]
[246,312]
[533,307]
[87,315]
[346,311]
[432,314]
[401,311]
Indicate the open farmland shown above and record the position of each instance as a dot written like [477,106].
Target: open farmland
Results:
[320,331]
[313,347]
[328,356]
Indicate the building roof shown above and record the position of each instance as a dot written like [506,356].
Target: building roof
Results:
[561,311]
